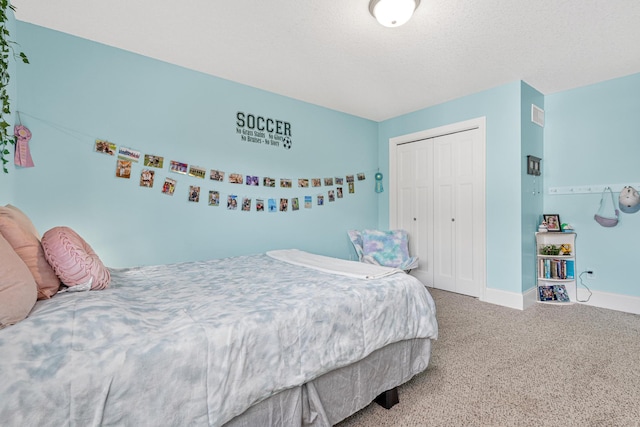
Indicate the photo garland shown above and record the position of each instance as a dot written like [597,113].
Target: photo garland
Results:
[126,157]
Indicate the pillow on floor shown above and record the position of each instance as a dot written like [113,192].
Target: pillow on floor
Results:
[18,289]
[73,260]
[29,249]
[388,248]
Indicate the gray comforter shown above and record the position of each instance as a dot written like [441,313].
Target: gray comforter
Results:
[197,343]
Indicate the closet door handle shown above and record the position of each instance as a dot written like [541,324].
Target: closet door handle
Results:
[453,219]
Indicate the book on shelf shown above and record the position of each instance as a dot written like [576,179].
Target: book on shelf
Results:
[560,292]
[556,293]
[550,268]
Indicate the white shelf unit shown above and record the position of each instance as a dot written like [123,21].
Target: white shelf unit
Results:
[554,271]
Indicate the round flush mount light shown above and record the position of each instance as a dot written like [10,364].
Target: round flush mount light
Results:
[393,13]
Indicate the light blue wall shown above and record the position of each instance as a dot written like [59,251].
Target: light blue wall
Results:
[501,107]
[75,91]
[592,137]
[532,141]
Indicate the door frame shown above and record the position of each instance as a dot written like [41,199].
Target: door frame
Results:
[477,123]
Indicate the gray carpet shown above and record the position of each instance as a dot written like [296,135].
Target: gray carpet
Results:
[571,365]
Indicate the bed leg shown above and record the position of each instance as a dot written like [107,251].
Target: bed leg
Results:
[388,399]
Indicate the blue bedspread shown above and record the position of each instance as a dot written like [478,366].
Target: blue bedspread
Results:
[196,343]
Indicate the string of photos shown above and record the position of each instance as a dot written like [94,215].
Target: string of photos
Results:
[152,163]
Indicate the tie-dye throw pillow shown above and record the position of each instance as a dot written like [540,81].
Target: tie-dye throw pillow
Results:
[388,248]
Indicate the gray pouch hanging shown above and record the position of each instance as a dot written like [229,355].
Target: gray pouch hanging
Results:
[601,217]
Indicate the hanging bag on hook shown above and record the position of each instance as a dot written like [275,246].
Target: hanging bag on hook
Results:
[601,217]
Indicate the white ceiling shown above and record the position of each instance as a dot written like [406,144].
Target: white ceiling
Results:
[334,54]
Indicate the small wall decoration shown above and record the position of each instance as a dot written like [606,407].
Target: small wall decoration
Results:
[268,182]
[194,193]
[307,202]
[552,221]
[146,178]
[533,165]
[284,204]
[259,205]
[378,177]
[295,204]
[214,198]
[246,204]
[22,154]
[303,183]
[252,180]
[216,175]
[197,172]
[129,154]
[263,130]
[153,161]
[232,202]
[169,186]
[123,168]
[316,182]
[320,198]
[285,183]
[236,178]
[105,147]
[328,182]
[178,167]
[272,205]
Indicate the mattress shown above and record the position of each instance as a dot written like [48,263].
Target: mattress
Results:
[198,343]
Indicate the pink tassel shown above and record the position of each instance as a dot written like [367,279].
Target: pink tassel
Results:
[22,156]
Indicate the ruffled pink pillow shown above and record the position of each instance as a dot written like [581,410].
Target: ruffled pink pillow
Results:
[73,260]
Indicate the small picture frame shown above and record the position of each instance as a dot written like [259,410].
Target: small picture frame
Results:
[553,222]
[533,165]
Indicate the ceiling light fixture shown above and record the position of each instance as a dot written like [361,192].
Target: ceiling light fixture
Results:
[393,13]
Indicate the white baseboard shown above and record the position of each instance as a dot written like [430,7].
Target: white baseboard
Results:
[618,302]
[503,298]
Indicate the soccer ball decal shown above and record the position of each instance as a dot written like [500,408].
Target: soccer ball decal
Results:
[286,142]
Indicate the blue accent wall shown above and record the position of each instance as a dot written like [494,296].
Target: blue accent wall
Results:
[501,107]
[532,141]
[592,137]
[76,90]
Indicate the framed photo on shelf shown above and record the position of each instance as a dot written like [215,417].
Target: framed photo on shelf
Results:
[553,222]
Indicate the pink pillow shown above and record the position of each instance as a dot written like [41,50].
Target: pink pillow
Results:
[29,249]
[73,260]
[18,290]
[18,216]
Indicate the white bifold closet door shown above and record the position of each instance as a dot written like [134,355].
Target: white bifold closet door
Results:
[440,194]
[415,203]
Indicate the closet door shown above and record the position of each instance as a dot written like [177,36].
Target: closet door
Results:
[437,181]
[459,217]
[415,203]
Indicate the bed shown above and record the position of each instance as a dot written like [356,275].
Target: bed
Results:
[280,338]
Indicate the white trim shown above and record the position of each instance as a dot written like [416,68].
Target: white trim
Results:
[477,123]
[607,300]
[530,297]
[618,302]
[503,298]
[586,189]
